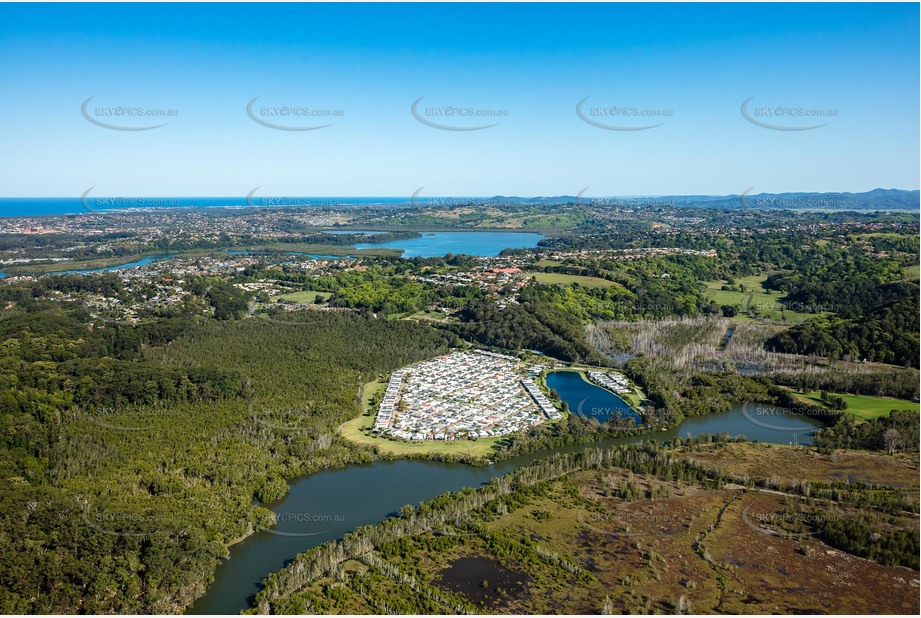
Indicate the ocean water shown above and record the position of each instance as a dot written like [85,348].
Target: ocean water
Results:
[46,206]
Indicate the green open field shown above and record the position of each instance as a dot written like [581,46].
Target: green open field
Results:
[368,392]
[353,431]
[755,297]
[564,279]
[912,272]
[304,298]
[865,407]
[427,315]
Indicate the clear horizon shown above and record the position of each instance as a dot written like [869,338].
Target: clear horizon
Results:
[408,197]
[475,100]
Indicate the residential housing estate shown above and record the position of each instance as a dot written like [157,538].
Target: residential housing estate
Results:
[475,394]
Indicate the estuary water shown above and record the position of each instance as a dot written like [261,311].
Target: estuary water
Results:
[438,244]
[325,506]
[142,262]
[430,244]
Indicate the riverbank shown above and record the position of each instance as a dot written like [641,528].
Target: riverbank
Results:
[354,431]
[111,263]
[633,518]
[368,493]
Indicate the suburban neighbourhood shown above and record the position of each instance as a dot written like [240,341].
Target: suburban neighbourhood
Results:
[476,394]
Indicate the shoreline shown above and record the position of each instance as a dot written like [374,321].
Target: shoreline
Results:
[641,397]
[535,455]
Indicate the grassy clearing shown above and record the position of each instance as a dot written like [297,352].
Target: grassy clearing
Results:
[864,407]
[368,392]
[356,430]
[304,298]
[564,279]
[755,300]
[912,272]
[427,315]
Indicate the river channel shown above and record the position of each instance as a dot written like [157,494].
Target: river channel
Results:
[325,506]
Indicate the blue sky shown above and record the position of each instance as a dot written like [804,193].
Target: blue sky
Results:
[856,63]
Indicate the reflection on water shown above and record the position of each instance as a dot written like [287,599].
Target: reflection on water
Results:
[467,576]
[588,400]
[438,244]
[327,505]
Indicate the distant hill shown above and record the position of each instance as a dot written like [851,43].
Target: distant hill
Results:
[877,199]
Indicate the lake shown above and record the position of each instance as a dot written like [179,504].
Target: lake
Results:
[587,399]
[438,244]
[430,244]
[325,506]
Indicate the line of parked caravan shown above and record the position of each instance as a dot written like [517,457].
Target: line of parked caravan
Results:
[542,401]
[385,412]
[613,381]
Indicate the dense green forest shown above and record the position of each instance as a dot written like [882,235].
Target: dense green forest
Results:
[133,454]
[897,432]
[653,287]
[533,324]
[885,331]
